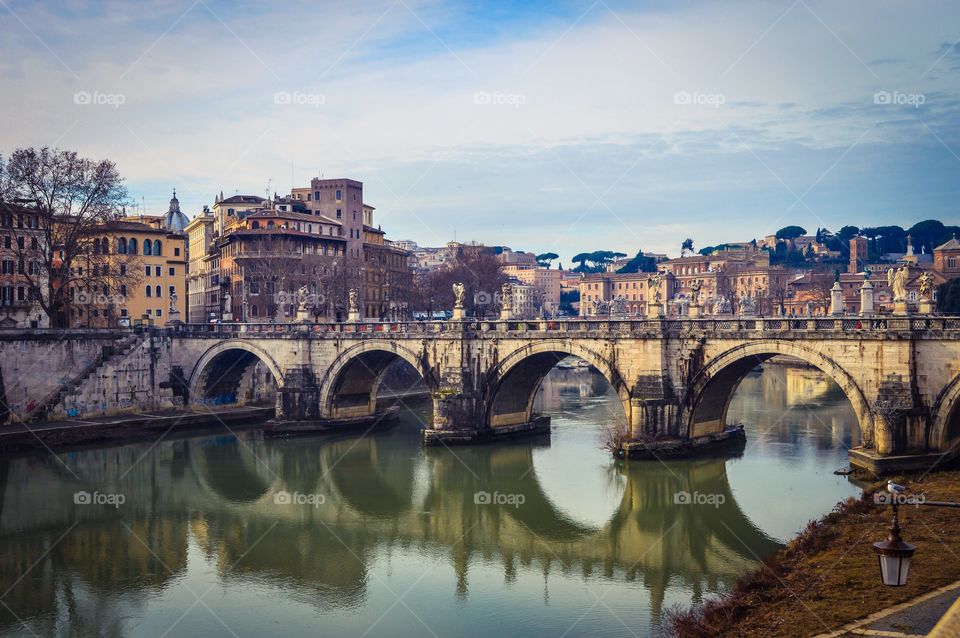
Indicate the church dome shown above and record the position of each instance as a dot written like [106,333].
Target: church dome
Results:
[175,220]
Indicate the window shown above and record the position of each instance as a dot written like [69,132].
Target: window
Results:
[173,271]
[147,247]
[159,292]
[255,225]
[157,247]
[149,291]
[7,242]
[253,310]
[159,312]
[339,195]
[339,213]
[176,251]
[34,245]
[123,312]
[21,294]
[123,290]
[173,290]
[149,312]
[316,196]
[123,269]
[951,262]
[132,246]
[156,270]
[122,245]
[308,197]
[21,242]
[147,270]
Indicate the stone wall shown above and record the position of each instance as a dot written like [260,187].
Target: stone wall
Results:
[96,375]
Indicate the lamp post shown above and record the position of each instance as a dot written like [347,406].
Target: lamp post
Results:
[894,554]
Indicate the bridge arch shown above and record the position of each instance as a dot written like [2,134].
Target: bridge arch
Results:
[708,398]
[350,385]
[223,366]
[945,433]
[514,381]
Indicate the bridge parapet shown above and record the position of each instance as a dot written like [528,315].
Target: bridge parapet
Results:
[805,327]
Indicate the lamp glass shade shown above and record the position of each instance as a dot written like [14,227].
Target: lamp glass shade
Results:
[894,569]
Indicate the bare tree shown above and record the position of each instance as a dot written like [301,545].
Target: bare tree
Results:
[73,196]
[474,265]
[821,283]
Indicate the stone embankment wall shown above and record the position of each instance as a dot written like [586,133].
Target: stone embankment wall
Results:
[82,374]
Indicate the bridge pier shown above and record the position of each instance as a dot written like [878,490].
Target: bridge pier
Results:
[299,398]
[461,418]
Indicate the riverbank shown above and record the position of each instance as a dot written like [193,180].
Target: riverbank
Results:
[126,427]
[828,576]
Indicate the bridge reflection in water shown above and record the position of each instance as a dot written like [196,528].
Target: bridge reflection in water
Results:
[396,520]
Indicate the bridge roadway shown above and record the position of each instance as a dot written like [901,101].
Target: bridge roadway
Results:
[674,377]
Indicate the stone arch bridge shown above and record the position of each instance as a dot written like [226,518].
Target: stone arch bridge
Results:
[674,378]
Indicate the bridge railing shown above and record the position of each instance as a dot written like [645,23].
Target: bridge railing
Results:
[618,325]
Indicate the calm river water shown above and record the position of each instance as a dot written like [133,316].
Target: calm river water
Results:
[221,535]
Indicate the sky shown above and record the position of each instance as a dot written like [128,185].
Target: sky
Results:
[545,126]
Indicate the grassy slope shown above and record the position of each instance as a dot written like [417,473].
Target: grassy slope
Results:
[829,574]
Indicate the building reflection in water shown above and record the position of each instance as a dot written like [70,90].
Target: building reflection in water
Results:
[202,512]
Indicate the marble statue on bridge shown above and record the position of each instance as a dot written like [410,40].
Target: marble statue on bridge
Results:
[897,280]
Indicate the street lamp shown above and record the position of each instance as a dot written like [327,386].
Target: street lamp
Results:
[894,554]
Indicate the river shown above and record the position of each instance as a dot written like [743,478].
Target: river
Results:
[222,534]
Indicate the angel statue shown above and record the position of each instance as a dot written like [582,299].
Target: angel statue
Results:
[506,296]
[173,301]
[653,286]
[458,292]
[352,299]
[897,280]
[926,287]
[302,298]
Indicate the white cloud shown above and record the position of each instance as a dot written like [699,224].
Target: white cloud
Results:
[583,104]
